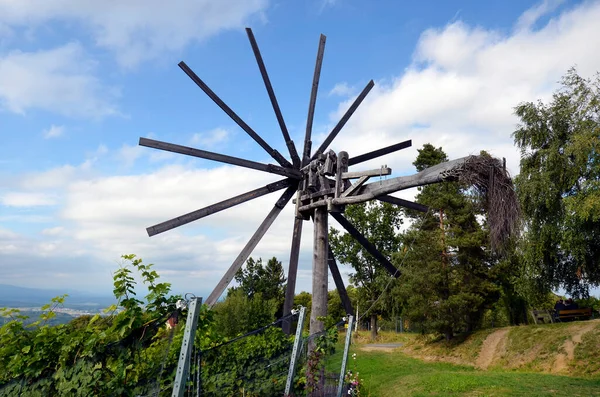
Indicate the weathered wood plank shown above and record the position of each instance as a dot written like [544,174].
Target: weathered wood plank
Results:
[355,186]
[383,171]
[273,98]
[336,130]
[339,283]
[379,152]
[220,206]
[312,102]
[215,98]
[249,247]
[362,240]
[271,168]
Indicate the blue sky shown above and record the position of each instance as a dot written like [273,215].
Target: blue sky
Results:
[81,81]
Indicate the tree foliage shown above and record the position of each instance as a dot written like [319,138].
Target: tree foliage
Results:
[559,185]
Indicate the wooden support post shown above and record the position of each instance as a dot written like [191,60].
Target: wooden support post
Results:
[319,282]
[292,272]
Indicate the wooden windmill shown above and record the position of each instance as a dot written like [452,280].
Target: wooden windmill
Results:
[323,184]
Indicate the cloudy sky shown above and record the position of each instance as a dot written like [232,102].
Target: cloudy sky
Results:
[82,80]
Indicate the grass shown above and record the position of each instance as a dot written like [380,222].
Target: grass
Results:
[387,374]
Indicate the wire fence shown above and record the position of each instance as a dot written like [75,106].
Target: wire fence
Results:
[254,364]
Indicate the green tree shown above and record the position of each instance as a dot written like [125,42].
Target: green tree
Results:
[446,283]
[559,186]
[268,280]
[379,223]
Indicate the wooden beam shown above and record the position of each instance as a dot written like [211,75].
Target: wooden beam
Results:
[343,120]
[355,186]
[312,102]
[383,171]
[220,206]
[362,240]
[403,203]
[272,152]
[273,98]
[271,168]
[379,152]
[247,250]
[292,272]
[339,283]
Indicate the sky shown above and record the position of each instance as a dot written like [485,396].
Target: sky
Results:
[81,81]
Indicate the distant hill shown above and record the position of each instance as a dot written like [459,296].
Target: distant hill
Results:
[13,296]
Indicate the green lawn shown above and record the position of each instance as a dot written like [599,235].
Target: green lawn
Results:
[395,374]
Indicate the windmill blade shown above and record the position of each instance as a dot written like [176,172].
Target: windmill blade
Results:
[313,101]
[247,250]
[292,272]
[271,168]
[403,203]
[343,120]
[272,152]
[339,283]
[362,240]
[379,152]
[220,206]
[276,109]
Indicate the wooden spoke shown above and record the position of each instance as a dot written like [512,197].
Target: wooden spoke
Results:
[343,120]
[273,98]
[403,203]
[247,250]
[379,152]
[362,240]
[313,101]
[170,147]
[272,152]
[339,283]
[220,206]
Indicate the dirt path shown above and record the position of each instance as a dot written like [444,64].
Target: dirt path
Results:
[490,348]
[386,347]
[562,359]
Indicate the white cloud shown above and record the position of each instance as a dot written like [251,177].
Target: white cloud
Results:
[341,89]
[53,231]
[137,30]
[210,139]
[60,80]
[26,199]
[532,15]
[54,131]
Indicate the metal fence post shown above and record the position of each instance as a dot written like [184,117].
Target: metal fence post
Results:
[345,357]
[186,347]
[295,351]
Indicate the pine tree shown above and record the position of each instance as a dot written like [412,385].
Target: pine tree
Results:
[446,282]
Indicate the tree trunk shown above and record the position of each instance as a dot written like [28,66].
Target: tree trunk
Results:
[373,327]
